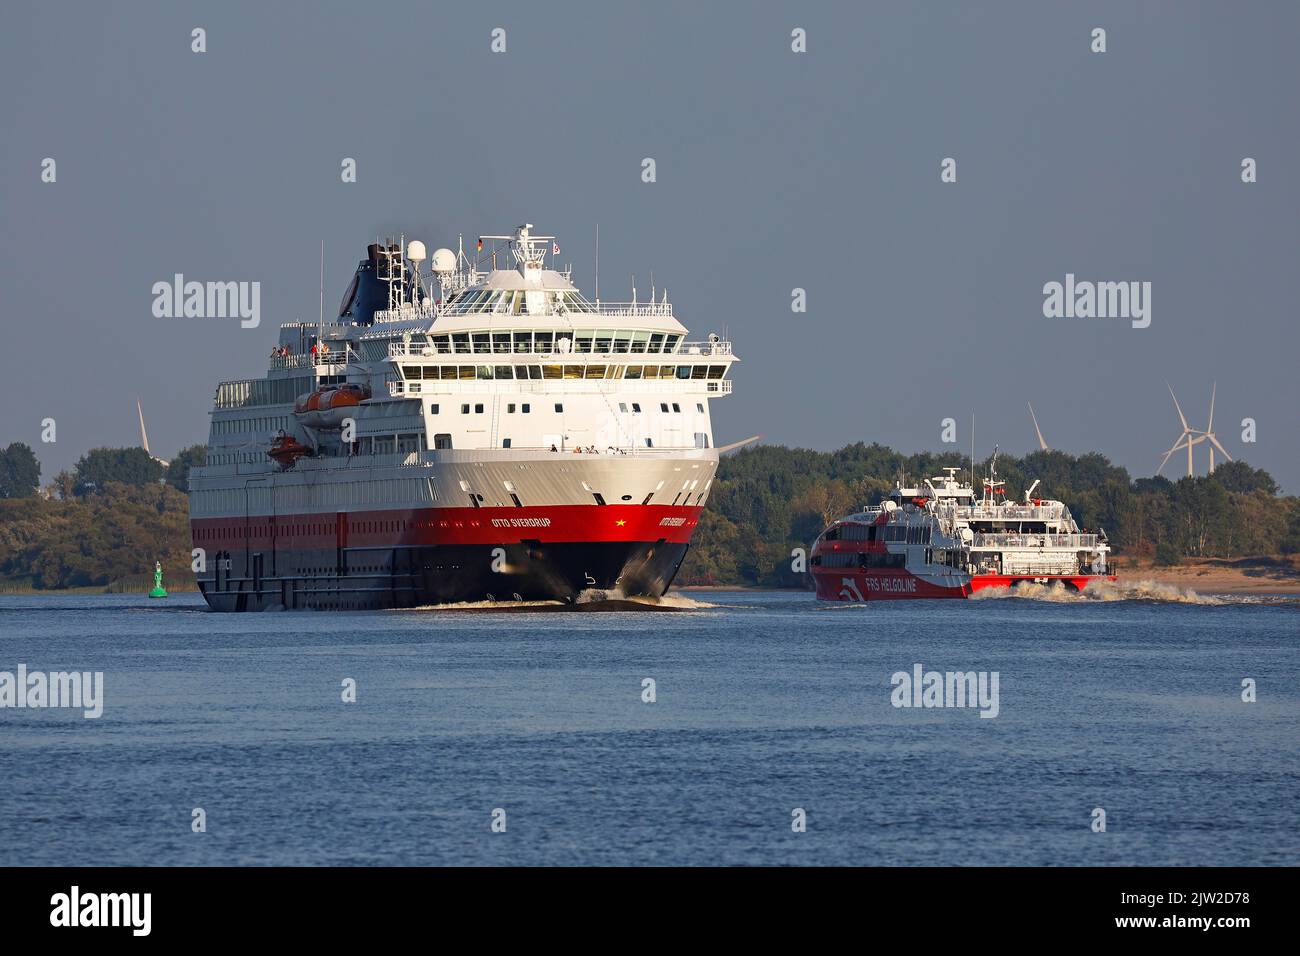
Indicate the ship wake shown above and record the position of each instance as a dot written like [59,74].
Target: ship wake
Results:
[1101,591]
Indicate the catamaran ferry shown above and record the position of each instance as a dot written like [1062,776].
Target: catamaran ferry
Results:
[462,436]
[938,540]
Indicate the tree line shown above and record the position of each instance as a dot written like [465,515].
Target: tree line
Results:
[106,521]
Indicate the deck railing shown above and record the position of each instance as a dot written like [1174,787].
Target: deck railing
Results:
[1081,542]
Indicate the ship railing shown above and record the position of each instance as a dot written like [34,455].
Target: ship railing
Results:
[1001,513]
[561,386]
[1076,541]
[308,360]
[470,306]
[414,349]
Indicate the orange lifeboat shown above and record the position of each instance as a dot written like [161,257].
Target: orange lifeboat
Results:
[338,402]
[286,450]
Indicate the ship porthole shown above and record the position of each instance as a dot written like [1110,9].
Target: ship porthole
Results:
[627,497]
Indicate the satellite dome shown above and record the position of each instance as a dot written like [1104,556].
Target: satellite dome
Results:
[415,251]
[444,260]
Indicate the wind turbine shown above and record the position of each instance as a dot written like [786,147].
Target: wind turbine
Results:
[1209,432]
[144,438]
[1192,436]
[1042,445]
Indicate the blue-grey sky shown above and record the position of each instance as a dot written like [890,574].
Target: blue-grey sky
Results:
[775,170]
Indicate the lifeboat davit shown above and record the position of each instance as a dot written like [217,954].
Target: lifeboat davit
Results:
[286,450]
[329,406]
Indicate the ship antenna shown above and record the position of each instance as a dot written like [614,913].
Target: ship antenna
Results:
[320,325]
[597,263]
[972,450]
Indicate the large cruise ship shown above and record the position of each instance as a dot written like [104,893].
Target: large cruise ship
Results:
[939,540]
[463,435]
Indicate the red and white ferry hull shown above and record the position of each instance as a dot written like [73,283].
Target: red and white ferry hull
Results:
[857,587]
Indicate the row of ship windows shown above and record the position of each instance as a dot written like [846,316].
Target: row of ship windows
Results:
[465,373]
[526,408]
[865,559]
[545,341]
[233,426]
[909,534]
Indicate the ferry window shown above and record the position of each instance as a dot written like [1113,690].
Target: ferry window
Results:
[676,407]
[636,408]
[552,371]
[527,408]
[433,409]
[534,371]
[683,371]
[649,443]
[639,341]
[465,372]
[412,373]
[432,372]
[442,441]
[510,409]
[633,371]
[656,342]
[505,371]
[622,407]
[482,342]
[670,342]
[573,371]
[543,341]
[483,372]
[701,440]
[523,341]
[500,341]
[441,344]
[464,409]
[603,341]
[505,443]
[699,407]
[595,371]
[460,342]
[559,407]
[478,409]
[699,371]
[717,371]
[582,341]
[663,406]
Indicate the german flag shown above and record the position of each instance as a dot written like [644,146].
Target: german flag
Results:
[480,245]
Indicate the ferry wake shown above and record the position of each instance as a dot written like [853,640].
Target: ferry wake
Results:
[462,436]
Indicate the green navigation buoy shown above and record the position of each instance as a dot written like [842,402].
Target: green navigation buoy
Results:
[158,590]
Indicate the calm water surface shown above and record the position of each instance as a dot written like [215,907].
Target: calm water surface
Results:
[765,702]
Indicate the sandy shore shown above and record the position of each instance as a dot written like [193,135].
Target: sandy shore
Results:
[1222,576]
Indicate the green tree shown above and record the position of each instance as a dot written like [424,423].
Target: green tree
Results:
[178,472]
[130,466]
[1240,477]
[20,472]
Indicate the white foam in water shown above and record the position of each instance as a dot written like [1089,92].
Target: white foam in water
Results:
[1143,590]
[676,601]
[590,596]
